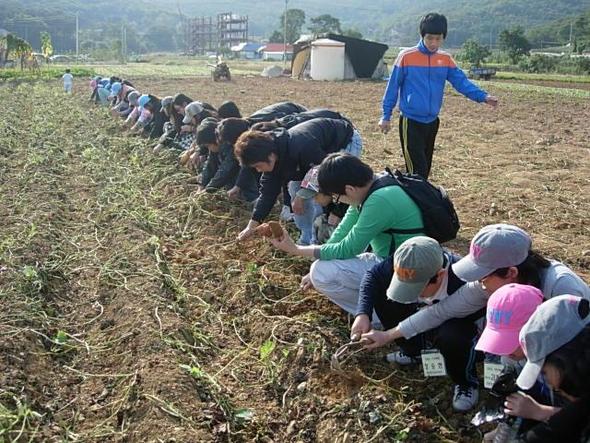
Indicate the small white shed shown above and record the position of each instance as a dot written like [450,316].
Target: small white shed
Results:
[327,59]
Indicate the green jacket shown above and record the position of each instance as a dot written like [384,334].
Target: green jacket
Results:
[386,208]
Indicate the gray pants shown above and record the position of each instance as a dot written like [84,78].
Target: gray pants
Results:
[340,280]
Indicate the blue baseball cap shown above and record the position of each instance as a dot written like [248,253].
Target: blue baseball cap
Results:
[115,88]
[143,100]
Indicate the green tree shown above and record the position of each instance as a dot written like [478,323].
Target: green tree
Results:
[324,23]
[352,32]
[474,53]
[22,49]
[295,21]
[46,45]
[515,43]
[276,37]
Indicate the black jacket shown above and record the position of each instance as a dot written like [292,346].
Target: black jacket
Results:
[298,149]
[274,111]
[289,121]
[226,168]
[570,424]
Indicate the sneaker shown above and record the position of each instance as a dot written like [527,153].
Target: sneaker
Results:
[465,398]
[403,359]
[286,214]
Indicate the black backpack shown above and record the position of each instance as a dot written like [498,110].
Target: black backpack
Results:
[438,213]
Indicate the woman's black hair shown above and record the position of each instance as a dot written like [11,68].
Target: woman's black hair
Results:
[340,169]
[529,271]
[229,129]
[228,109]
[181,99]
[154,104]
[206,131]
[433,23]
[254,147]
[572,361]
[205,114]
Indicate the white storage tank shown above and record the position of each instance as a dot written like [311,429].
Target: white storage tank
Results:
[327,59]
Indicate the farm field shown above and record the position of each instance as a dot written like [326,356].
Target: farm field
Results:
[129,313]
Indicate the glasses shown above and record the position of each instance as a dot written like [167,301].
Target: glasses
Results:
[336,198]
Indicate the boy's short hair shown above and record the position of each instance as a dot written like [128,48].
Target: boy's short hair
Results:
[254,147]
[67,71]
[229,129]
[340,169]
[206,131]
[433,23]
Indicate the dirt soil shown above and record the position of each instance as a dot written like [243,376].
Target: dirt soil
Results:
[128,313]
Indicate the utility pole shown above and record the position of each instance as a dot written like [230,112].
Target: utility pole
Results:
[77,38]
[285,36]
[571,32]
[123,43]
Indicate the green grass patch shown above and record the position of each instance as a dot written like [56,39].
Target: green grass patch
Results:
[179,67]
[45,73]
[528,88]
[505,75]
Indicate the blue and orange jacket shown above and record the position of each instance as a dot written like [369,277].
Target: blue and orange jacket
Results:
[418,80]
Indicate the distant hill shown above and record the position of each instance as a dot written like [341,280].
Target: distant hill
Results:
[155,24]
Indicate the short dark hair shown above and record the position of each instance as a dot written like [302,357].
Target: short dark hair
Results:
[68,71]
[228,109]
[181,99]
[433,23]
[205,114]
[529,271]
[340,169]
[265,126]
[206,131]
[229,129]
[254,147]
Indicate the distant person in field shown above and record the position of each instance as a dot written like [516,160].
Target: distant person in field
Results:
[68,81]
[417,85]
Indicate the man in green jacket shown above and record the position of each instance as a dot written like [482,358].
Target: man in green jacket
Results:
[342,262]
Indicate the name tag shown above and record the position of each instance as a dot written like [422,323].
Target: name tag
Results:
[491,372]
[433,363]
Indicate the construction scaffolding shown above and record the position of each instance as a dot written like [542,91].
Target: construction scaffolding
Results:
[200,35]
[203,34]
[232,29]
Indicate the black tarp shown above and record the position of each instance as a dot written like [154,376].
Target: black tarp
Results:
[364,55]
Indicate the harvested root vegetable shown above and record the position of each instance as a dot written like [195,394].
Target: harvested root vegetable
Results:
[185,156]
[271,229]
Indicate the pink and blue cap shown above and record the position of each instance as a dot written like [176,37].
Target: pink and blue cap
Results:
[508,310]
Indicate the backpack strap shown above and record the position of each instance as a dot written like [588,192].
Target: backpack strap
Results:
[389,179]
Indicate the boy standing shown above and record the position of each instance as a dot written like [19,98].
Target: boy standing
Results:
[417,82]
[68,81]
